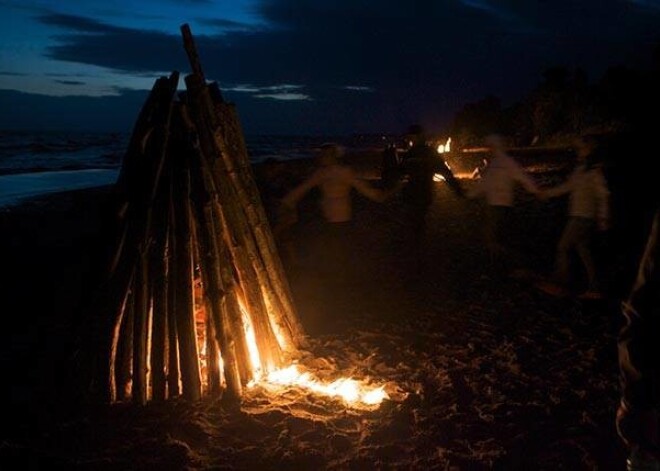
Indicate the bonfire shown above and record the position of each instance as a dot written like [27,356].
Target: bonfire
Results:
[196,299]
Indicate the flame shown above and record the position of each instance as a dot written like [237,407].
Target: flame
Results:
[441,149]
[351,391]
[251,341]
[446,147]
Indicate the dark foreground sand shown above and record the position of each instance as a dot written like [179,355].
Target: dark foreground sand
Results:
[484,371]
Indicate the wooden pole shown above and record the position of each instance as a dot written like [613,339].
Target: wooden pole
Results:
[141,303]
[185,314]
[173,370]
[122,370]
[159,266]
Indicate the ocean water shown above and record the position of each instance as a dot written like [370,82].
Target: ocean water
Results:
[37,163]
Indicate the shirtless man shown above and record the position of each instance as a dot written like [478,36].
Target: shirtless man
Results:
[336,182]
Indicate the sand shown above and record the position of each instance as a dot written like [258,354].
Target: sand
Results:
[483,370]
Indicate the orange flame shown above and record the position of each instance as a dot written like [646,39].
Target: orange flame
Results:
[356,394]
[351,391]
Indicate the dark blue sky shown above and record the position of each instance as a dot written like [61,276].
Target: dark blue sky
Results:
[304,66]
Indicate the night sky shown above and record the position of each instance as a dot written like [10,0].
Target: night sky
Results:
[305,66]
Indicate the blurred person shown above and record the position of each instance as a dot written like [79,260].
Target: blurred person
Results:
[389,166]
[336,181]
[497,182]
[588,211]
[639,361]
[419,165]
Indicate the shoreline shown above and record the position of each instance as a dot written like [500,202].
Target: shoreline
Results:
[22,187]
[366,160]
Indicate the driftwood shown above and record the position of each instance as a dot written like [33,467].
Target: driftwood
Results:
[189,217]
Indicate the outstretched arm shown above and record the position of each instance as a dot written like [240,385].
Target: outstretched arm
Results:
[291,199]
[560,189]
[370,192]
[525,180]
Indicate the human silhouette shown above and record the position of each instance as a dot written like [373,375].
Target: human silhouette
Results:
[336,182]
[588,211]
[389,166]
[496,185]
[419,165]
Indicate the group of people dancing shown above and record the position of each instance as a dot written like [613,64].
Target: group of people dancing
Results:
[411,176]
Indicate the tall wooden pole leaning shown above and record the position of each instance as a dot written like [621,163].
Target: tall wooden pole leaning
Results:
[185,253]
[231,163]
[234,233]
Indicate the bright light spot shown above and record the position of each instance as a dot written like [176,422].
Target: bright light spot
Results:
[351,391]
[355,393]
[446,147]
[251,341]
[441,149]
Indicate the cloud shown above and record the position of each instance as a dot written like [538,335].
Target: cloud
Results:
[422,60]
[87,41]
[70,82]
[358,88]
[226,25]
[284,96]
[284,92]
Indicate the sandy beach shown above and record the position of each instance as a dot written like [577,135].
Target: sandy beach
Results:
[484,371]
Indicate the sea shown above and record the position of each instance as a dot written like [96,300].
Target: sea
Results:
[36,163]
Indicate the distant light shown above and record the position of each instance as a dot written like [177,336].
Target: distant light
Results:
[446,147]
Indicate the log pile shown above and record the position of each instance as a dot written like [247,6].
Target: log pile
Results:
[194,263]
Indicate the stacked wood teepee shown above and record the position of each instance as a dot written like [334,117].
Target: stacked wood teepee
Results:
[192,244]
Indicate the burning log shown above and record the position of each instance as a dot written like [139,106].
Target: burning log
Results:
[218,282]
[227,143]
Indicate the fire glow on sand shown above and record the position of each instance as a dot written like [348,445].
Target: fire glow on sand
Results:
[354,393]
